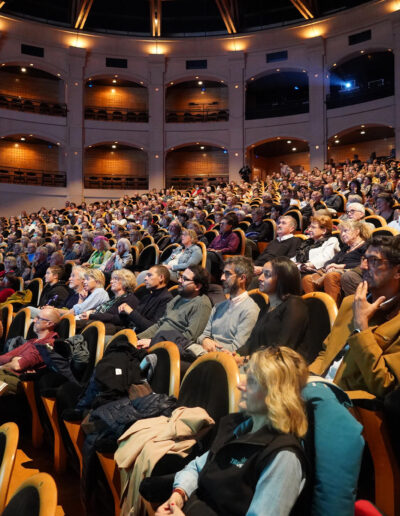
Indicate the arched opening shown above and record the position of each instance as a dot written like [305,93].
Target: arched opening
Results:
[265,157]
[196,163]
[116,99]
[115,165]
[363,78]
[29,89]
[277,94]
[362,143]
[26,159]
[197,101]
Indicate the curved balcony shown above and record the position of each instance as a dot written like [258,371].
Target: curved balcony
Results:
[279,108]
[199,113]
[374,90]
[30,105]
[115,114]
[116,182]
[30,176]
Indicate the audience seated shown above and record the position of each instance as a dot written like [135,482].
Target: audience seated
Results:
[152,305]
[353,235]
[231,321]
[27,356]
[361,352]
[363,349]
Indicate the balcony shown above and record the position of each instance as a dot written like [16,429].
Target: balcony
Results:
[32,105]
[116,182]
[115,114]
[275,109]
[184,183]
[25,176]
[201,113]
[372,91]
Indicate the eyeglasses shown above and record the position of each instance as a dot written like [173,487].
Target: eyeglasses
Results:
[353,211]
[42,319]
[184,279]
[373,261]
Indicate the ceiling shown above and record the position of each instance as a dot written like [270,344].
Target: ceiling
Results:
[174,18]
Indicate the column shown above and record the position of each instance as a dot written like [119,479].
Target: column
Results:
[75,88]
[236,115]
[316,92]
[156,158]
[396,50]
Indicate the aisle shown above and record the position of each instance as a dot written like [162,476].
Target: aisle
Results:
[30,461]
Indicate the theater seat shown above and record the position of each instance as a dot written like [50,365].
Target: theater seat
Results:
[9,436]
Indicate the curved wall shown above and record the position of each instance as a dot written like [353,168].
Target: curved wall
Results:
[313,46]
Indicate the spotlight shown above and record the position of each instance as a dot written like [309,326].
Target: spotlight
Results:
[225,151]
[296,88]
[113,146]
[23,69]
[294,149]
[289,142]
[200,83]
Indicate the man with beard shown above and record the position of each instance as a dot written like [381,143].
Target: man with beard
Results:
[231,321]
[187,313]
[362,352]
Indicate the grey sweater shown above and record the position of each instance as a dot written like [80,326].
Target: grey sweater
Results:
[231,324]
[188,316]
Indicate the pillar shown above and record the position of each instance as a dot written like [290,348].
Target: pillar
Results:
[396,50]
[316,93]
[75,89]
[156,158]
[236,114]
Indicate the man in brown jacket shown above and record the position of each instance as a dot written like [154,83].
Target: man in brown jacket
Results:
[362,352]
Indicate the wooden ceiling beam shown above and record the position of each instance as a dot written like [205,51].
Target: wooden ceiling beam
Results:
[226,15]
[155,17]
[83,13]
[305,9]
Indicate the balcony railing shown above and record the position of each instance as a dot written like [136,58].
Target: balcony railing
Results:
[28,176]
[184,182]
[32,105]
[115,182]
[198,114]
[279,108]
[375,90]
[116,114]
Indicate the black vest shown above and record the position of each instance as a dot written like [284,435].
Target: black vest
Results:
[234,465]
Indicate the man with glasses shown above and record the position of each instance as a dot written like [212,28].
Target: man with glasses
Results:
[186,314]
[27,356]
[362,352]
[231,321]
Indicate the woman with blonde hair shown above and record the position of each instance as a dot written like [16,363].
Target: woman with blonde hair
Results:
[95,294]
[256,464]
[353,234]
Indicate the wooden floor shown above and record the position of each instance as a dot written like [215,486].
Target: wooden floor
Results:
[30,461]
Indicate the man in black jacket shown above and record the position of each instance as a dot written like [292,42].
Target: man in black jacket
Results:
[55,292]
[285,244]
[152,305]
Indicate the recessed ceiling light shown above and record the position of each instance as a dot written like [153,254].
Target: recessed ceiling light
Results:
[202,147]
[362,132]
[30,64]
[294,149]
[113,146]
[289,142]
[23,139]
[337,141]
[114,81]
[23,69]
[200,83]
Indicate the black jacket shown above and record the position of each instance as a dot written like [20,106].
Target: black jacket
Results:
[287,248]
[226,488]
[55,295]
[112,315]
[149,310]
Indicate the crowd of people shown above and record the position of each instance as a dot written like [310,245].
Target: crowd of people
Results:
[333,230]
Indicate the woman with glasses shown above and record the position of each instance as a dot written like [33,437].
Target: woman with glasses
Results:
[353,235]
[123,284]
[255,464]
